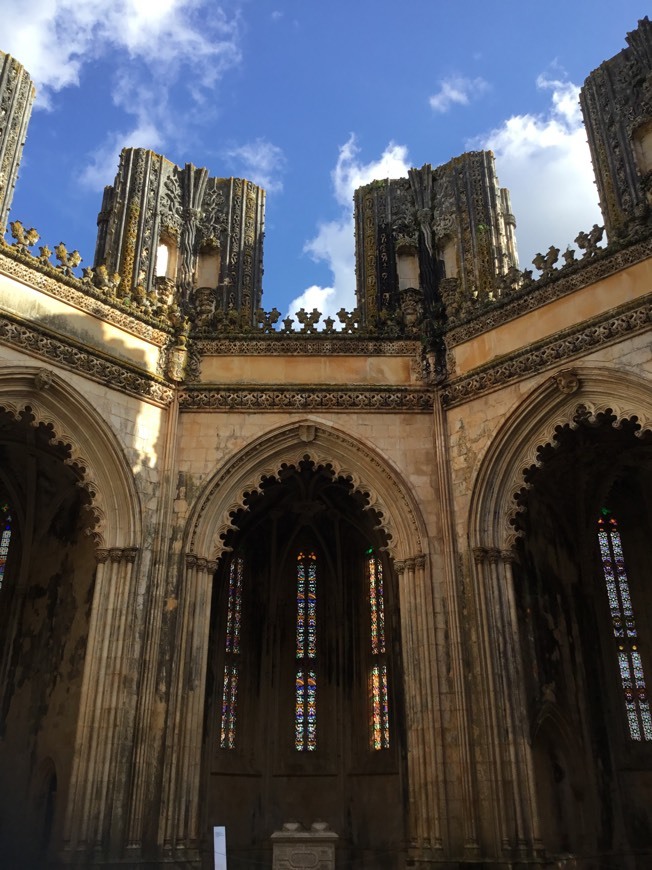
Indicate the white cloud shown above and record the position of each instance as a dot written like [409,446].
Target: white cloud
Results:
[334,242]
[457,90]
[544,160]
[259,161]
[154,46]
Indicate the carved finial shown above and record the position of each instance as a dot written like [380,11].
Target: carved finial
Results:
[68,261]
[349,321]
[266,320]
[308,321]
[588,242]
[24,239]
[546,264]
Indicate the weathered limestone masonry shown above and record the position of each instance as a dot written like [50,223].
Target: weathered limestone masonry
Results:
[372,593]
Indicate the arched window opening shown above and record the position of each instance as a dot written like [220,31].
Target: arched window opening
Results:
[232,655]
[305,715]
[378,683]
[630,664]
[5,538]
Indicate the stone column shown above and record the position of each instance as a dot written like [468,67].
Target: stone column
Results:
[513,801]
[94,811]
[16,97]
[425,767]
[181,834]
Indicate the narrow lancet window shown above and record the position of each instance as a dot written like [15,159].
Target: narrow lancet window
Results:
[232,655]
[378,684]
[305,714]
[5,538]
[637,706]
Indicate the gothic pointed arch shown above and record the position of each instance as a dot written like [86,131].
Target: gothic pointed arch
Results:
[563,399]
[92,448]
[370,473]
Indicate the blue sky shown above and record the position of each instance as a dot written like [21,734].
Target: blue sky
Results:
[311,100]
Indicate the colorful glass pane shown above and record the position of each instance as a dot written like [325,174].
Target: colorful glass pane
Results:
[229,706]
[5,538]
[630,664]
[379,707]
[376,605]
[234,607]
[305,699]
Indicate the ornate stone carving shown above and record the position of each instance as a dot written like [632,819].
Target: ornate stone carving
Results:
[628,319]
[567,381]
[278,344]
[16,98]
[82,293]
[38,342]
[616,102]
[154,203]
[529,295]
[43,379]
[197,398]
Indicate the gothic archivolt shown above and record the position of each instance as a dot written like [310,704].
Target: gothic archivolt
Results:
[566,398]
[92,449]
[370,473]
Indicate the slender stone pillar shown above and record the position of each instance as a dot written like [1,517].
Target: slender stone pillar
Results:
[16,97]
[93,817]
[181,834]
[515,812]
[425,770]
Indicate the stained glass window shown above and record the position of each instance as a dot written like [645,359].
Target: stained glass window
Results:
[5,538]
[632,678]
[232,655]
[305,707]
[378,684]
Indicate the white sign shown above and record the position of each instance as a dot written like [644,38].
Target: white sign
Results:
[219,847]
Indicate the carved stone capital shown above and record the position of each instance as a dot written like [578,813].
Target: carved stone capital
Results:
[101,556]
[202,564]
[479,554]
[211,566]
[191,560]
[420,560]
[115,554]
[409,564]
[399,566]
[509,556]
[130,554]
[493,555]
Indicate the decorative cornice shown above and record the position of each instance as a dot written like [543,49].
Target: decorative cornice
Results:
[572,342]
[303,345]
[562,282]
[40,343]
[77,292]
[299,398]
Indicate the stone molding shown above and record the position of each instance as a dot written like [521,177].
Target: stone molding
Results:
[76,292]
[277,398]
[548,289]
[39,342]
[576,340]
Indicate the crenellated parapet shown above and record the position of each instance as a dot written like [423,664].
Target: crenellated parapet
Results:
[616,103]
[194,240]
[452,222]
[16,97]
